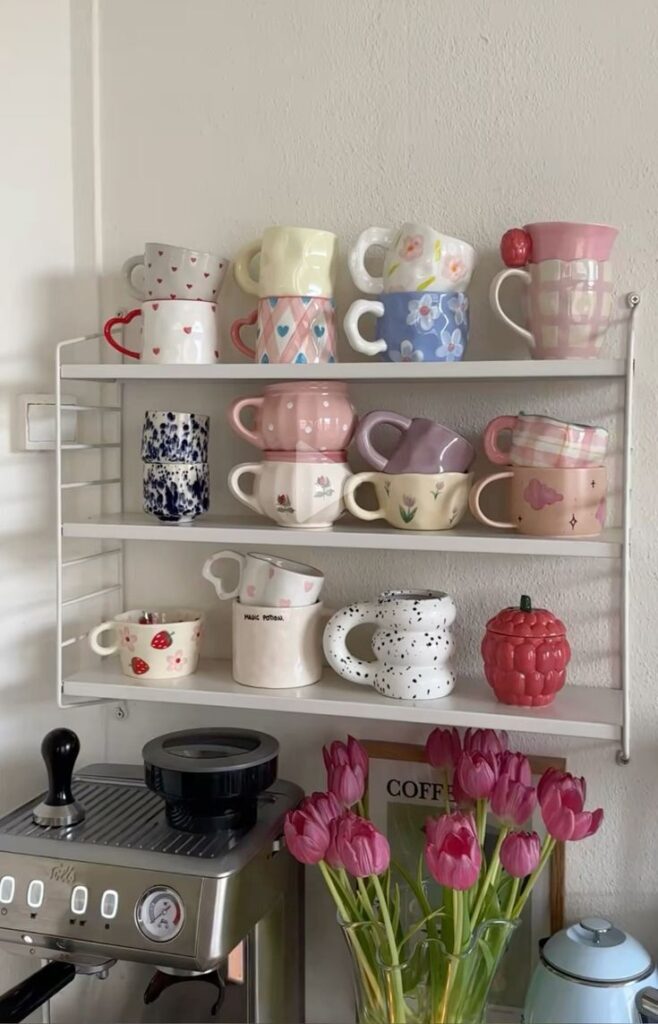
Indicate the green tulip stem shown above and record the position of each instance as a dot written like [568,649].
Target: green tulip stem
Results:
[488,878]
[547,849]
[446,783]
[514,892]
[393,949]
[481,820]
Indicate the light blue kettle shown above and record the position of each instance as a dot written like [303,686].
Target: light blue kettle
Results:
[592,973]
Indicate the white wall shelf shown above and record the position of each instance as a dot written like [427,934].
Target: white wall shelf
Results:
[577,711]
[491,369]
[350,534]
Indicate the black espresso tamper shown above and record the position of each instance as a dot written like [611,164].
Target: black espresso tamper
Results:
[59,750]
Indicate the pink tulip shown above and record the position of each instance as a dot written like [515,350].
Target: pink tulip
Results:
[462,799]
[307,838]
[562,802]
[360,847]
[512,802]
[324,807]
[351,753]
[452,851]
[476,774]
[520,853]
[517,766]
[331,855]
[552,777]
[485,741]
[346,784]
[443,748]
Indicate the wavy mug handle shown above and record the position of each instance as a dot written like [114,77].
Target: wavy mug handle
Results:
[250,500]
[367,425]
[242,265]
[365,282]
[111,323]
[127,271]
[335,647]
[490,439]
[208,574]
[351,325]
[236,329]
[474,500]
[349,497]
[96,632]
[494,301]
[233,413]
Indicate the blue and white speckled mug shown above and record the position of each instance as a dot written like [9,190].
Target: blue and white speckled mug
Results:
[429,327]
[176,492]
[175,437]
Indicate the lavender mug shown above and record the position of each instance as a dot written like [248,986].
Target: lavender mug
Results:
[425,446]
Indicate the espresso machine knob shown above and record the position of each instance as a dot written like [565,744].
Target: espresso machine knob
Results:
[59,750]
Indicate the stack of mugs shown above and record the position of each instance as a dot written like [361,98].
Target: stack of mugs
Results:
[277,619]
[295,317]
[558,482]
[424,484]
[178,289]
[303,430]
[423,308]
[175,461]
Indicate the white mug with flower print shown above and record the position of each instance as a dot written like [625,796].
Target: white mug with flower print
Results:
[417,259]
[160,644]
[430,327]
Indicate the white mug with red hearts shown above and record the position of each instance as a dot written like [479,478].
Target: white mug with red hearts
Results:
[267,580]
[172,272]
[173,331]
[159,644]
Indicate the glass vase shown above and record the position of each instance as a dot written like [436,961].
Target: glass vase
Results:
[424,983]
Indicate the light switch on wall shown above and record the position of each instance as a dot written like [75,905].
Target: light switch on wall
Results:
[36,428]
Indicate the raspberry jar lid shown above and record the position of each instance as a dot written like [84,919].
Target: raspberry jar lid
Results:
[524,620]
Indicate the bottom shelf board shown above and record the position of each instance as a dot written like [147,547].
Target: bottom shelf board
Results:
[577,711]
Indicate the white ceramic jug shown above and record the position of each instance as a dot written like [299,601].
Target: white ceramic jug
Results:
[412,644]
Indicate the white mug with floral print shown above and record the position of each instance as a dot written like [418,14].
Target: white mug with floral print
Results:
[298,489]
[413,501]
[160,644]
[417,259]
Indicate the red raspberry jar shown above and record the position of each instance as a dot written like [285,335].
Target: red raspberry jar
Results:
[526,653]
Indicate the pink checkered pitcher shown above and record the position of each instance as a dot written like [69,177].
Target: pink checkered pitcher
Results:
[568,279]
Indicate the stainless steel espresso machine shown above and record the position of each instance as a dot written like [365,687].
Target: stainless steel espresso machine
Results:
[178,863]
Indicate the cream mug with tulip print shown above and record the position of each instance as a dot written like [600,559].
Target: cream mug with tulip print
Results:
[417,259]
[172,332]
[549,502]
[292,261]
[413,501]
[158,644]
[296,489]
[266,580]
[172,272]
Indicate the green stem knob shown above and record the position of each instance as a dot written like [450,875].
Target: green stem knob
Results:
[526,603]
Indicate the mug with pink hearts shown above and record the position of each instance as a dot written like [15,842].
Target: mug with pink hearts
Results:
[266,580]
[172,272]
[311,415]
[173,331]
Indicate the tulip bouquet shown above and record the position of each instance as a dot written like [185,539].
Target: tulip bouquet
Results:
[415,962]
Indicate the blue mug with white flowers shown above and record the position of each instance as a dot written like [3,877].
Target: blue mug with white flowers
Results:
[424,327]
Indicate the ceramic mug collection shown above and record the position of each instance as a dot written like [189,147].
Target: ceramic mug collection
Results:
[175,465]
[557,480]
[162,644]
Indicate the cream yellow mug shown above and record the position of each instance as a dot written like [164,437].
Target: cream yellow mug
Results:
[413,501]
[292,261]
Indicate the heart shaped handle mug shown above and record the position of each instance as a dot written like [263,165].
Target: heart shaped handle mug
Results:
[174,331]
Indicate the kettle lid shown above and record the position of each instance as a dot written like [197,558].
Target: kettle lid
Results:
[595,950]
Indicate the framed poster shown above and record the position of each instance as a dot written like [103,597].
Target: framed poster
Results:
[403,791]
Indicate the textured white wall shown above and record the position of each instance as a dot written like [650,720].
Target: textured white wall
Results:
[220,117]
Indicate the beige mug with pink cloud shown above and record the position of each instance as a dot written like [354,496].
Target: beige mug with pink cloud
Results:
[549,502]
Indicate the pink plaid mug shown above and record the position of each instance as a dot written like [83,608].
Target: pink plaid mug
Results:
[542,441]
[290,329]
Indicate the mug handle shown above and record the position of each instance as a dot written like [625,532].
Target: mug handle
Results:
[233,413]
[364,281]
[494,301]
[490,439]
[241,268]
[351,325]
[111,323]
[474,500]
[367,424]
[127,271]
[335,648]
[250,500]
[349,497]
[207,573]
[236,327]
[93,639]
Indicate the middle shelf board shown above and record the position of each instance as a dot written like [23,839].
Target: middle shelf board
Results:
[348,534]
[580,711]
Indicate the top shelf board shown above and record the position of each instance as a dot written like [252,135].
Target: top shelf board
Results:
[491,369]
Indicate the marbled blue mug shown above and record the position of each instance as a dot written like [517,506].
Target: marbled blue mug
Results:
[429,327]
[176,492]
[175,437]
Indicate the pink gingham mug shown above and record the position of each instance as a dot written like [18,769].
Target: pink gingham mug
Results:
[542,441]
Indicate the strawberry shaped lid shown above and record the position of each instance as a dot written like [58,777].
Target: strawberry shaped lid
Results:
[524,620]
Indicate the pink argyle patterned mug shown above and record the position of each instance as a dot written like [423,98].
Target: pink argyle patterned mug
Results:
[290,329]
[542,441]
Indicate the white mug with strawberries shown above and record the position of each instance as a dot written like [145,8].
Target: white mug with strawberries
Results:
[159,644]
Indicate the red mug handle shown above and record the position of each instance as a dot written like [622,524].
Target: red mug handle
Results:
[111,323]
[236,327]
